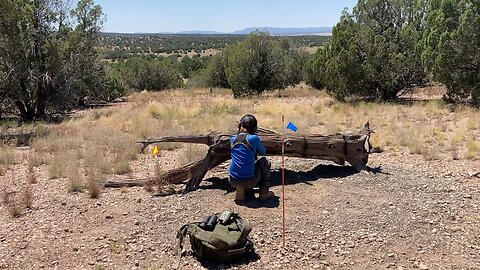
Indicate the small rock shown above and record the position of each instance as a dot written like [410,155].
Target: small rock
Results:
[472,174]
[316,266]
[456,229]
[109,217]
[390,254]
[422,266]
[467,196]
[324,262]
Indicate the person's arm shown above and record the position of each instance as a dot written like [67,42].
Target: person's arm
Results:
[256,143]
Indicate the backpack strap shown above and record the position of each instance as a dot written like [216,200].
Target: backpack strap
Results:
[244,226]
[179,244]
[241,138]
[181,233]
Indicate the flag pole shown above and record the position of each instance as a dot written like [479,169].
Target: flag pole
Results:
[283,180]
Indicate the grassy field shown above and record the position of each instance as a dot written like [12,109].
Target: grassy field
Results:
[96,144]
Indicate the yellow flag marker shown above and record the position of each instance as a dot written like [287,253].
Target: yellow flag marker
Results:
[154,151]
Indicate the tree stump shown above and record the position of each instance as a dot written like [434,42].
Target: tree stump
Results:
[352,147]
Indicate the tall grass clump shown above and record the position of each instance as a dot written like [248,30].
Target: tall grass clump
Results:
[75,180]
[16,200]
[473,149]
[93,183]
[7,155]
[61,164]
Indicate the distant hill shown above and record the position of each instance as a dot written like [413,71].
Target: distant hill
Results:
[275,31]
[199,33]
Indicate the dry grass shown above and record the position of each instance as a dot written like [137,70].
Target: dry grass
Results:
[35,160]
[75,180]
[7,155]
[193,153]
[93,184]
[148,185]
[121,167]
[27,196]
[15,197]
[5,195]
[103,140]
[31,177]
[158,177]
[60,165]
[160,180]
[473,149]
[14,209]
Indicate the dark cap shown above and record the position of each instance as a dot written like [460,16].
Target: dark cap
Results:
[249,122]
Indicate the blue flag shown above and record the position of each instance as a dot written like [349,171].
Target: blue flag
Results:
[292,127]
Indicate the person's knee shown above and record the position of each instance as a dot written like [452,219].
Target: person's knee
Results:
[264,162]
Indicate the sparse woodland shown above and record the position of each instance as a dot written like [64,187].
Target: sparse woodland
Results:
[51,56]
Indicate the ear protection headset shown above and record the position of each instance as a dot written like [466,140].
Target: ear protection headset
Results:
[249,122]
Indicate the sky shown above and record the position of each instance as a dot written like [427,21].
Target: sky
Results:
[152,16]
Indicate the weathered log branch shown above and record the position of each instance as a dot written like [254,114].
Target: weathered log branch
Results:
[351,147]
[19,138]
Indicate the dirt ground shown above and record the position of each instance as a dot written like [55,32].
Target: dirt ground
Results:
[409,214]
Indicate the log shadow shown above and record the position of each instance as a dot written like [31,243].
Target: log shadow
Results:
[319,172]
[238,263]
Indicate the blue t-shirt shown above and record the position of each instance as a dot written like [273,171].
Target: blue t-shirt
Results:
[242,165]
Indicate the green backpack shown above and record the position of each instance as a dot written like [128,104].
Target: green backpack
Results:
[221,237]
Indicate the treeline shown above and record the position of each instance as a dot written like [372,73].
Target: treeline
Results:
[382,49]
[386,47]
[123,46]
[254,65]
[51,60]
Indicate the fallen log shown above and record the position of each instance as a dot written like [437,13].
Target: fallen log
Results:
[352,147]
[18,138]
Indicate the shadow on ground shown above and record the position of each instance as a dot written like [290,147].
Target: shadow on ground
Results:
[252,257]
[319,172]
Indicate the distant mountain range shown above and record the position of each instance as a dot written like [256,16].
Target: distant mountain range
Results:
[274,31]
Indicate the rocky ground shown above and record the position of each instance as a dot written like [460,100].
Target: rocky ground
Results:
[409,214]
